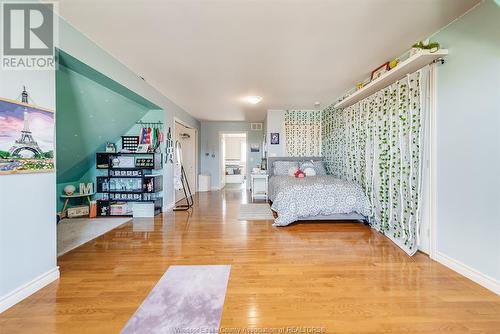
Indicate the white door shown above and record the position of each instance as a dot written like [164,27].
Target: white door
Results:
[187,137]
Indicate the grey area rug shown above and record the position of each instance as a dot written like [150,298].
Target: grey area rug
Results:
[254,211]
[74,232]
[187,299]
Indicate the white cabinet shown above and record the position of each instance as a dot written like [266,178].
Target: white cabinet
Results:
[204,182]
[258,186]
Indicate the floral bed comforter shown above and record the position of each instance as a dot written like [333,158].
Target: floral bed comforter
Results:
[294,198]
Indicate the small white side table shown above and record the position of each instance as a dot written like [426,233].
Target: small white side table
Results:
[258,186]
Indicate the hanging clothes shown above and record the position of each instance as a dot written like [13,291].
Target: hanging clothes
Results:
[141,136]
[152,144]
[148,136]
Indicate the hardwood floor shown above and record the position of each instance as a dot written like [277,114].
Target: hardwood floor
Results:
[342,277]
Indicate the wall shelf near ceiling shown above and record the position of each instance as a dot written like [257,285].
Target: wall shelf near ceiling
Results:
[410,65]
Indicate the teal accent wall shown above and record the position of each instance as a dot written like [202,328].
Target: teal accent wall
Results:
[468,141]
[91,110]
[28,237]
[71,41]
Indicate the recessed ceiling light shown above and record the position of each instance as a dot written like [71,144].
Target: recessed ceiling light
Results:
[253,99]
[317,104]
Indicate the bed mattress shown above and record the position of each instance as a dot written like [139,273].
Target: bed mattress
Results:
[299,198]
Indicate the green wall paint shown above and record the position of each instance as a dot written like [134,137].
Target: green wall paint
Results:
[468,141]
[91,110]
[88,115]
[65,59]
[79,46]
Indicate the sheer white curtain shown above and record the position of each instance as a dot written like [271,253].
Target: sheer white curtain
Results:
[378,143]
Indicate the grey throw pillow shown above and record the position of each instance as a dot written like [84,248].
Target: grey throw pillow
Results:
[282,167]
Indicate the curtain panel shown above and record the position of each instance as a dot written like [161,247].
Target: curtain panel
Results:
[303,133]
[377,143]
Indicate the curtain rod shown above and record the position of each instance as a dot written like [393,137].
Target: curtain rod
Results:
[145,123]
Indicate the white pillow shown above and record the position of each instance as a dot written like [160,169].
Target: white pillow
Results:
[309,171]
[292,170]
[318,165]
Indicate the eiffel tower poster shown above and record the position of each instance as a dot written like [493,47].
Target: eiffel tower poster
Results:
[26,137]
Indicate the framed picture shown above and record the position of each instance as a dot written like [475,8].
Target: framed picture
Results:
[26,138]
[275,138]
[379,71]
[254,148]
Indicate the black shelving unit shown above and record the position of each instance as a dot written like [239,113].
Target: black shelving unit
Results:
[131,177]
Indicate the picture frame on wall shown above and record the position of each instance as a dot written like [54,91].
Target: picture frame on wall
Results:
[254,148]
[26,138]
[376,73]
[275,138]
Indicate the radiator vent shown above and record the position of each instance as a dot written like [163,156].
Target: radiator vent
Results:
[256,126]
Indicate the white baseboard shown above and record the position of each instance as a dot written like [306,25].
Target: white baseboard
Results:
[484,280]
[168,207]
[28,289]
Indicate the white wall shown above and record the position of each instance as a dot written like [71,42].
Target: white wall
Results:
[275,123]
[27,205]
[468,145]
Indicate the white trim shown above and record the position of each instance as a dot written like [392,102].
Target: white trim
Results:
[433,161]
[222,182]
[26,290]
[222,156]
[474,275]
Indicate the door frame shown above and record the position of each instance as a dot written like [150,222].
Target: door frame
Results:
[433,161]
[221,154]
[194,189]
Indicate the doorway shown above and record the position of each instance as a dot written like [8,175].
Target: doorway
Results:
[233,165]
[187,137]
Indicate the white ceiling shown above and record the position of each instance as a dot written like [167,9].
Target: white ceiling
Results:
[207,55]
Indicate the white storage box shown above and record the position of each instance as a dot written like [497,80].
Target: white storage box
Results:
[204,182]
[143,209]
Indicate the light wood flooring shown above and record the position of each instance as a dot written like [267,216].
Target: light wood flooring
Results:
[343,277]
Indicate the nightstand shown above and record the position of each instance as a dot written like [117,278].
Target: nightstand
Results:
[258,186]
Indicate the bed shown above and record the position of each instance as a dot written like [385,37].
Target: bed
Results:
[321,197]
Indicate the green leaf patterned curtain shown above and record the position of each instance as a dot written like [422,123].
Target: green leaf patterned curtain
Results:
[377,143]
[303,133]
